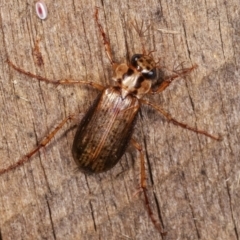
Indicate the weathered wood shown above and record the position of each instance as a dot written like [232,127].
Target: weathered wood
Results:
[194,181]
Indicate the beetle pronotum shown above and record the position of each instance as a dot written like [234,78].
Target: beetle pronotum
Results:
[97,149]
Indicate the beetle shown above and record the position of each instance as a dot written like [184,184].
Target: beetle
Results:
[97,149]
[106,129]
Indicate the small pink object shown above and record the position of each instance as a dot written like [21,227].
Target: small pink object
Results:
[41,9]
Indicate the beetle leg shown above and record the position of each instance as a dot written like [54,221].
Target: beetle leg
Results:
[183,125]
[143,186]
[178,73]
[105,41]
[56,82]
[42,144]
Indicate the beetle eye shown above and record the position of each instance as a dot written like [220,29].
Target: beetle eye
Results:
[150,75]
[134,59]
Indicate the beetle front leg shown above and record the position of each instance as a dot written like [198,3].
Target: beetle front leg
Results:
[106,42]
[55,82]
[179,73]
[143,186]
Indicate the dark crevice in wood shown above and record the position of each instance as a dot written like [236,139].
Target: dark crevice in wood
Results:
[190,205]
[185,34]
[51,220]
[148,162]
[91,206]
[231,207]
[1,235]
[93,218]
[159,214]
[127,55]
[105,204]
[39,154]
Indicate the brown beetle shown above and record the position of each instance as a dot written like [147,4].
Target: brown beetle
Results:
[106,129]
[97,149]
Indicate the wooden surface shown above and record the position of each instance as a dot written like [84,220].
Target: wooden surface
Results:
[194,181]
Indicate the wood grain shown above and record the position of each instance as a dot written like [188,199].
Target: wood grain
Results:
[193,180]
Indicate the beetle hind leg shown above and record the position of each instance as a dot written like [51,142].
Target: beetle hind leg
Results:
[41,145]
[180,124]
[143,186]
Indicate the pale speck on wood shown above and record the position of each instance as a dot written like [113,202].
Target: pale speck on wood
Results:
[41,10]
